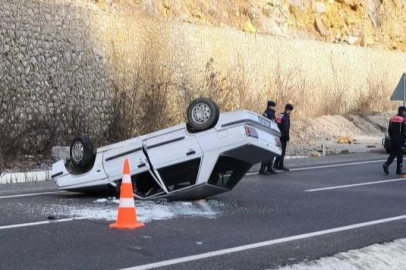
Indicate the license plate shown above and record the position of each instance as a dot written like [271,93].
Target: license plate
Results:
[265,122]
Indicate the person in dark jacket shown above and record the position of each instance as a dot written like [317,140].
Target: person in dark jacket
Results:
[283,121]
[397,134]
[267,167]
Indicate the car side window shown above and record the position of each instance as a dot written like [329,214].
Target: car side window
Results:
[228,172]
[180,175]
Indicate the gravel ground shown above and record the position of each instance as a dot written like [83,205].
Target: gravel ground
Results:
[343,134]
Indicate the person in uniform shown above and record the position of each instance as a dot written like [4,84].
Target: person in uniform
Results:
[397,134]
[267,167]
[283,121]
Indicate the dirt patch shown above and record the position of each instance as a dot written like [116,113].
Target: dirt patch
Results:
[364,125]
[342,134]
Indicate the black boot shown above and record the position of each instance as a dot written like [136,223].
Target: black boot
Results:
[385,168]
[271,171]
[282,167]
[285,169]
[399,170]
[262,169]
[263,173]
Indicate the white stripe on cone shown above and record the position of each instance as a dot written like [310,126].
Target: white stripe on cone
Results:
[126,179]
[127,203]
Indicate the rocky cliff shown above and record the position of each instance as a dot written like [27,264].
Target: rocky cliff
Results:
[367,23]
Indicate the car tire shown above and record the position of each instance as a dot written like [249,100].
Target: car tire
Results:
[81,152]
[202,114]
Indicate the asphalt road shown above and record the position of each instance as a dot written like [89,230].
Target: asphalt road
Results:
[265,222]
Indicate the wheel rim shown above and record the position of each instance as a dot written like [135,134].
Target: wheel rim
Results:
[77,151]
[201,113]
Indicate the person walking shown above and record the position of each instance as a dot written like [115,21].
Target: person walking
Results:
[283,121]
[267,167]
[397,134]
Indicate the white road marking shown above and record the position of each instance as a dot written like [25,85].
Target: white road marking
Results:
[40,223]
[338,165]
[357,185]
[330,166]
[30,194]
[263,244]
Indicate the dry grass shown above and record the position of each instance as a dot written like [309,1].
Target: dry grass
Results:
[375,98]
[22,135]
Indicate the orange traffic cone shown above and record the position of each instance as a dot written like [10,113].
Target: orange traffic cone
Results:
[127,214]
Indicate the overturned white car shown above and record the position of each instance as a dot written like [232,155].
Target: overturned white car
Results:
[207,156]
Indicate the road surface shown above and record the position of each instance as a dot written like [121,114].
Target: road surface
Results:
[320,208]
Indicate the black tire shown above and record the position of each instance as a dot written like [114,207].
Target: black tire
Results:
[202,114]
[81,152]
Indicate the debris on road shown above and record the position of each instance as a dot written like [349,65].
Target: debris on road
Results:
[106,209]
[101,200]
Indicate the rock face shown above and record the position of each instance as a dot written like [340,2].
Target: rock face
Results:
[380,23]
[320,27]
[319,7]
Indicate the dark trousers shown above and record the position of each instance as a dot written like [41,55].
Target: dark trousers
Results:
[267,165]
[396,152]
[279,160]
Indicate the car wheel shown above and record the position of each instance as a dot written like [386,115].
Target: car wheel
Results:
[81,152]
[202,114]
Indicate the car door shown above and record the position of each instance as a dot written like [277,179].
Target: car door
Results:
[175,158]
[113,159]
